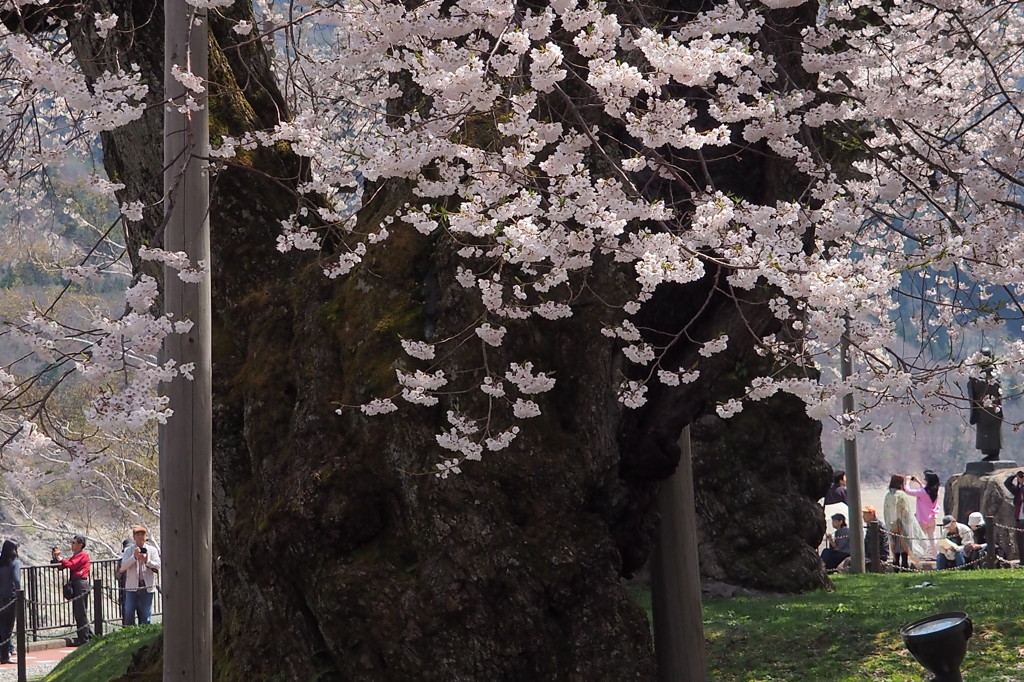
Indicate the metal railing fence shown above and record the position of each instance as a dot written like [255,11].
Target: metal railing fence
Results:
[48,612]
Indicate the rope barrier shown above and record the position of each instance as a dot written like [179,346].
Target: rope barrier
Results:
[928,538]
[34,602]
[914,569]
[898,539]
[979,562]
[112,593]
[1013,528]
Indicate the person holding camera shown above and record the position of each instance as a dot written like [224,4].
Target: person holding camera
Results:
[1015,484]
[140,564]
[79,565]
[927,495]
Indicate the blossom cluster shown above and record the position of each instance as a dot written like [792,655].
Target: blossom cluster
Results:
[552,141]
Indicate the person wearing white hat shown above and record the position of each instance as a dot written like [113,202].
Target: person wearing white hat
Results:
[975,550]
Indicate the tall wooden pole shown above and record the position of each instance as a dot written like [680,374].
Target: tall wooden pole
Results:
[856,521]
[675,579]
[186,518]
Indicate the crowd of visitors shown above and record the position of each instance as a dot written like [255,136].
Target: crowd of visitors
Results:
[910,529]
[137,580]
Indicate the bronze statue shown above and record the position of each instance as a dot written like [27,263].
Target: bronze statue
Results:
[987,410]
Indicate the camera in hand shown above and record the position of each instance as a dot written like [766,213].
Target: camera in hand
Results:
[143,550]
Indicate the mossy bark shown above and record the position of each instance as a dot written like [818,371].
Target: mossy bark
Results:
[338,557]
[761,473]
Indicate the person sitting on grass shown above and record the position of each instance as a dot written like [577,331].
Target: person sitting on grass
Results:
[976,550]
[950,554]
[951,547]
[837,544]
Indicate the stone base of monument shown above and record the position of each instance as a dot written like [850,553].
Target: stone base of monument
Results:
[982,468]
[980,488]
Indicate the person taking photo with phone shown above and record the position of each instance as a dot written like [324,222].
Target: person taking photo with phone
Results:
[1015,484]
[140,565]
[78,564]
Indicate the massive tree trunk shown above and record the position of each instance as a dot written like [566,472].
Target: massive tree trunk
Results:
[339,557]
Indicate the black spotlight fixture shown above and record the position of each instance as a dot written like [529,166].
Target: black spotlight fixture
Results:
[939,643]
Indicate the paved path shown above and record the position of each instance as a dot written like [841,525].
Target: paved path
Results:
[38,663]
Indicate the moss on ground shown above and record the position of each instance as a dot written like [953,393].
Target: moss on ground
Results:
[108,658]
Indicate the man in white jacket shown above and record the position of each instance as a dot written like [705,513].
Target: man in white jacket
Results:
[140,563]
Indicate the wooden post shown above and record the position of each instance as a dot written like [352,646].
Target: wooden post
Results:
[990,535]
[875,546]
[852,467]
[186,520]
[675,579]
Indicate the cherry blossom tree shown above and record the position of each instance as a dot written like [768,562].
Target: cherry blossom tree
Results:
[477,263]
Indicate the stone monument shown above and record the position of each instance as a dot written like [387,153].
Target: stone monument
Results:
[980,488]
[986,409]
[986,403]
[985,493]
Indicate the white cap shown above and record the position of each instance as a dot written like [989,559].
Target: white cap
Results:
[975,519]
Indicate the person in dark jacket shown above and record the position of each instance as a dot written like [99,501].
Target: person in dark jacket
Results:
[121,578]
[837,548]
[10,583]
[1015,484]
[837,493]
[870,514]
[78,564]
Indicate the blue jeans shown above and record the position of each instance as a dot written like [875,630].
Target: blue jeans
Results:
[941,562]
[832,558]
[140,601]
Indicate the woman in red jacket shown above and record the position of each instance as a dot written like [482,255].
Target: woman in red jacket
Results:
[79,566]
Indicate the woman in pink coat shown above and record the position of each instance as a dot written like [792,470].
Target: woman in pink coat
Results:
[927,495]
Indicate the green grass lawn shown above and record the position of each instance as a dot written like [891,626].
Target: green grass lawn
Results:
[852,634]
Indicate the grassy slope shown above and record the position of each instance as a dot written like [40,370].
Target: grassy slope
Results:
[852,634]
[104,658]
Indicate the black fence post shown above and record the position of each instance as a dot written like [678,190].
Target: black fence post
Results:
[990,535]
[47,610]
[874,547]
[19,628]
[33,609]
[97,607]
